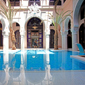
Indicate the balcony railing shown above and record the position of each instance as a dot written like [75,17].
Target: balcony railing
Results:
[15,3]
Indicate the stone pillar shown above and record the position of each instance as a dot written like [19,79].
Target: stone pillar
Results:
[64,40]
[21,2]
[47,41]
[47,32]
[74,38]
[6,2]
[22,42]
[22,33]
[6,40]
[62,2]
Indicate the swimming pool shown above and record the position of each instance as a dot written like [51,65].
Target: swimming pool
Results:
[38,60]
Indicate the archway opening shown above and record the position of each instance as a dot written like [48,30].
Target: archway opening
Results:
[82,10]
[1,36]
[34,33]
[69,36]
[18,39]
[81,35]
[16,28]
[52,38]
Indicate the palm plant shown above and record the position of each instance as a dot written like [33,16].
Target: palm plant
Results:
[9,15]
[57,20]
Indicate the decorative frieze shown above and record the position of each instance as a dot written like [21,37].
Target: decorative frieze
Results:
[34,10]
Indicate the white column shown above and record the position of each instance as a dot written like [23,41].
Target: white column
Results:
[5,43]
[74,41]
[22,33]
[21,2]
[62,2]
[64,40]
[47,41]
[6,2]
[6,40]
[22,42]
[74,38]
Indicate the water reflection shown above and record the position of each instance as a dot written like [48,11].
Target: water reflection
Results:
[37,68]
[15,70]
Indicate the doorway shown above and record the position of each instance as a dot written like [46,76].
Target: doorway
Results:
[18,39]
[1,36]
[52,38]
[82,35]
[34,33]
[69,36]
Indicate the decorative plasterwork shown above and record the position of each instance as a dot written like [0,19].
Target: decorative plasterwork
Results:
[34,10]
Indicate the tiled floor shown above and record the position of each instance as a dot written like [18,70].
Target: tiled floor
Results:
[47,77]
[42,78]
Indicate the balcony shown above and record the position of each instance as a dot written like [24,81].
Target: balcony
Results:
[15,3]
[52,2]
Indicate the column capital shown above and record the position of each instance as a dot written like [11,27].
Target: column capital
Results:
[5,32]
[47,32]
[22,32]
[75,29]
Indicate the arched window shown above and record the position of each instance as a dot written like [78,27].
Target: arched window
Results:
[64,0]
[15,2]
[52,2]
[32,1]
[51,24]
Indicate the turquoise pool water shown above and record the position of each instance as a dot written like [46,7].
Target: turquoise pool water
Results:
[38,60]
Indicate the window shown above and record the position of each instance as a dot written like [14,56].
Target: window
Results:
[15,2]
[17,24]
[64,0]
[32,1]
[52,2]
[51,24]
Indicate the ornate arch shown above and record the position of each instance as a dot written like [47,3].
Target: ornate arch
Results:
[66,23]
[32,17]
[4,21]
[76,12]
